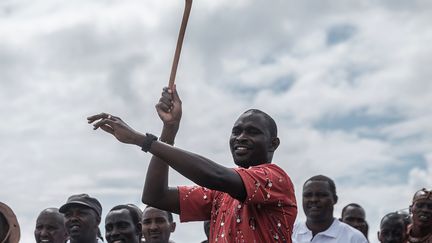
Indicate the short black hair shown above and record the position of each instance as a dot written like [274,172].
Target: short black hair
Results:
[325,179]
[351,205]
[169,214]
[269,119]
[397,216]
[134,213]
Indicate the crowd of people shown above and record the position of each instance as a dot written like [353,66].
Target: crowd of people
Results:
[254,202]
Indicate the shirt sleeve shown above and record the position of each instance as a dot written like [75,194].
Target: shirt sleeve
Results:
[267,184]
[195,203]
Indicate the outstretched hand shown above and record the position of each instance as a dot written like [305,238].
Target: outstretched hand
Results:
[116,126]
[169,107]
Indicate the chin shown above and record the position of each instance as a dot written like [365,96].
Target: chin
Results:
[242,164]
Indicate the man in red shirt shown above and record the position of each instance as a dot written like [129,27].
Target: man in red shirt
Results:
[252,203]
[420,230]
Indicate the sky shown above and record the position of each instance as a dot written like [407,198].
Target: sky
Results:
[348,83]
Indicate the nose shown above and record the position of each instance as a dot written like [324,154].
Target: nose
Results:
[241,137]
[114,232]
[44,232]
[313,198]
[153,225]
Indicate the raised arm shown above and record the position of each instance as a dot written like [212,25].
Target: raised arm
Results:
[200,170]
[156,191]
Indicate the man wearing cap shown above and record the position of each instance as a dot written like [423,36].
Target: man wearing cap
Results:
[50,227]
[9,227]
[82,217]
[420,230]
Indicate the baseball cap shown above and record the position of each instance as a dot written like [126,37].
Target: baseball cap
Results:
[84,200]
[14,228]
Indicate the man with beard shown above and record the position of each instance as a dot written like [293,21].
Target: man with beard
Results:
[123,225]
[157,225]
[319,198]
[420,230]
[254,202]
[82,217]
[50,227]
[393,228]
[354,215]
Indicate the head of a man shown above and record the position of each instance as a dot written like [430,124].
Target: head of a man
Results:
[354,215]
[253,139]
[123,224]
[9,227]
[50,227]
[393,228]
[319,197]
[421,210]
[157,225]
[82,217]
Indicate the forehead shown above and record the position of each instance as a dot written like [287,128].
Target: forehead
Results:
[353,211]
[252,118]
[118,215]
[50,218]
[423,201]
[316,186]
[390,223]
[151,213]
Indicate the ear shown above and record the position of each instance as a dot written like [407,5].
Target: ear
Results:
[335,199]
[274,144]
[138,228]
[172,227]
[379,236]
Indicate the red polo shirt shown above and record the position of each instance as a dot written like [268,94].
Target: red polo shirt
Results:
[267,214]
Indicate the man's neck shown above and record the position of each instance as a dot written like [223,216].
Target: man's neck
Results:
[420,232]
[90,240]
[319,226]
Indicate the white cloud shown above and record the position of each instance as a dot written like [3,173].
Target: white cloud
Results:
[62,61]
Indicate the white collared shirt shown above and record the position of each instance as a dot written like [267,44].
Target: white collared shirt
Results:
[338,232]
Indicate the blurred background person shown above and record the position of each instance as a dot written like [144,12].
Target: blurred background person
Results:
[50,227]
[355,216]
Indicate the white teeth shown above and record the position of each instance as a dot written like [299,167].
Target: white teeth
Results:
[241,148]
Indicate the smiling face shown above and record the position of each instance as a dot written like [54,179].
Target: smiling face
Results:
[156,226]
[318,201]
[251,142]
[50,227]
[81,223]
[120,228]
[422,213]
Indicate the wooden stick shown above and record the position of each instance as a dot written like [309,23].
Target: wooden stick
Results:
[188,6]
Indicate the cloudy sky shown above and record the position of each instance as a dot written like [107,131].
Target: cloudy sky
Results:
[348,83]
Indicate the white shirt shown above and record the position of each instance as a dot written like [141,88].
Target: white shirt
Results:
[338,232]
